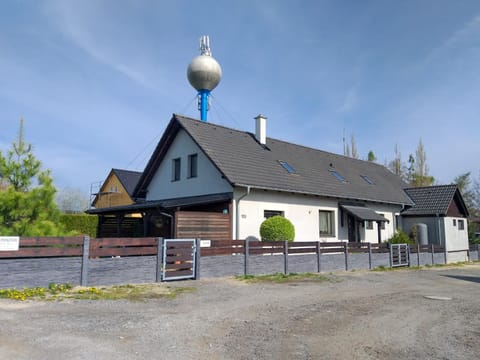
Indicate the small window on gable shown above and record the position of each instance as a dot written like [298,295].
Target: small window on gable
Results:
[270,213]
[176,163]
[338,176]
[192,165]
[290,169]
[461,225]
[367,179]
[454,222]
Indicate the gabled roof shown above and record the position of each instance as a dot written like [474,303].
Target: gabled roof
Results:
[243,161]
[128,179]
[433,200]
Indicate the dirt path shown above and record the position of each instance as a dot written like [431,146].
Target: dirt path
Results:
[357,315]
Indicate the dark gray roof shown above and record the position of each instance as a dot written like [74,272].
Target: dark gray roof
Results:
[433,200]
[364,213]
[245,162]
[128,178]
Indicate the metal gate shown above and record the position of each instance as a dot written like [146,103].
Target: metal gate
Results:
[179,259]
[399,255]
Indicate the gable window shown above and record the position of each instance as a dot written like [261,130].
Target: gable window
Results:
[369,225]
[192,165]
[270,213]
[454,222]
[326,223]
[176,164]
[461,225]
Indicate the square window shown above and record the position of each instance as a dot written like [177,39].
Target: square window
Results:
[269,213]
[326,223]
[461,225]
[192,165]
[369,225]
[176,163]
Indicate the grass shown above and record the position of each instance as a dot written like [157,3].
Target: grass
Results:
[283,278]
[54,292]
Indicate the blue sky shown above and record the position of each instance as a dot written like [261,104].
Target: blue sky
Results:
[97,81]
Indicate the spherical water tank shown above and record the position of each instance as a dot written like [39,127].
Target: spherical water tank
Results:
[422,233]
[204,73]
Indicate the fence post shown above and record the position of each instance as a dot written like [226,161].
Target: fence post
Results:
[391,254]
[285,257]
[158,273]
[418,254]
[369,256]
[345,245]
[197,259]
[319,264]
[85,255]
[433,253]
[408,254]
[246,256]
[445,254]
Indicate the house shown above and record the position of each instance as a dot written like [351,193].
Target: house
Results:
[441,211]
[216,182]
[117,190]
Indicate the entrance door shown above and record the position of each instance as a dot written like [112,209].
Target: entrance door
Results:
[352,231]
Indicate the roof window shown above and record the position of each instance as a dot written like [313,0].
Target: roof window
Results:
[290,169]
[367,179]
[337,175]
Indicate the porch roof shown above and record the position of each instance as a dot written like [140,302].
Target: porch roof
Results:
[364,213]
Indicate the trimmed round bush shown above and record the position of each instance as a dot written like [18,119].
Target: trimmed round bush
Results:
[277,228]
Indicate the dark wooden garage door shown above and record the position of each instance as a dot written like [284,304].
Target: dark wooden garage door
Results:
[203,225]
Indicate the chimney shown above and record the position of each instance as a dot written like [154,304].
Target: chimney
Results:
[261,129]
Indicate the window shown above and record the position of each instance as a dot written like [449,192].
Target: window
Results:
[326,223]
[461,225]
[192,165]
[287,166]
[367,179]
[369,225]
[176,169]
[269,213]
[338,176]
[454,222]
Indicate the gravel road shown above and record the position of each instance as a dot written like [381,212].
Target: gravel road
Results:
[406,314]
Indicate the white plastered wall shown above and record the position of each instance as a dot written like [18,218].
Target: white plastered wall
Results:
[456,239]
[303,212]
[208,181]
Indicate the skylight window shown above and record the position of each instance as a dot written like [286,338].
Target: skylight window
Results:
[367,179]
[338,176]
[290,169]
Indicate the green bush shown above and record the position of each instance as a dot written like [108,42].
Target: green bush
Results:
[277,228]
[400,238]
[80,224]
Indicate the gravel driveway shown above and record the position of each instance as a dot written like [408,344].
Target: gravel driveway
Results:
[356,315]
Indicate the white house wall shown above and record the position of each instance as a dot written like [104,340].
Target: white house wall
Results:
[457,240]
[208,181]
[303,212]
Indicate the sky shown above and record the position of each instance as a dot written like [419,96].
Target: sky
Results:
[98,81]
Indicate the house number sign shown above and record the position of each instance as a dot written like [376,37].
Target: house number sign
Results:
[9,243]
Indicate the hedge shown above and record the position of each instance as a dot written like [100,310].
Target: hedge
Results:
[80,224]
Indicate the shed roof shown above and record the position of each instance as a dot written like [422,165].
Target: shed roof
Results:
[434,200]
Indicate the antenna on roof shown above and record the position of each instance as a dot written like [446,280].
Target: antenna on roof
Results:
[204,74]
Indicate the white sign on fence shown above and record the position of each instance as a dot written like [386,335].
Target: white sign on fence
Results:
[9,243]
[205,243]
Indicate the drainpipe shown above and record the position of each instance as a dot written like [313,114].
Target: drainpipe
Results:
[237,213]
[439,230]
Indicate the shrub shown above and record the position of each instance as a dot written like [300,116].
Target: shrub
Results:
[80,224]
[400,238]
[277,228]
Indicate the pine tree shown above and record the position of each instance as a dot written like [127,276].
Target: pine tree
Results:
[27,194]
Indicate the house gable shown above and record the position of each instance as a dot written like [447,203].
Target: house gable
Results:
[173,177]
[112,193]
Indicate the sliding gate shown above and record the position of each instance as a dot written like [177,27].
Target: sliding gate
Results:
[399,255]
[179,259]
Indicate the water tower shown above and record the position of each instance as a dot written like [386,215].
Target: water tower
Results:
[204,74]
